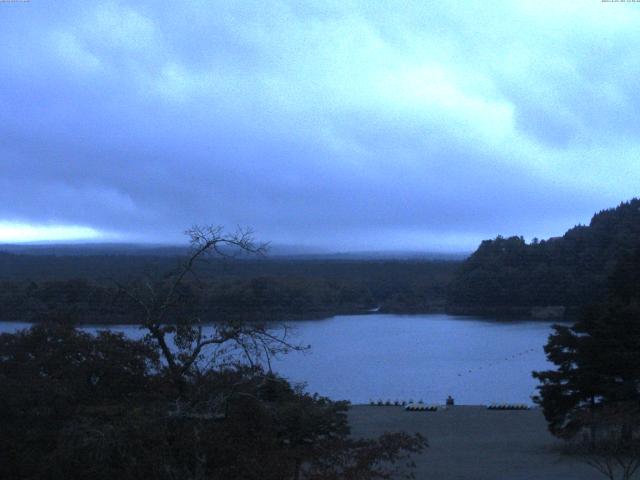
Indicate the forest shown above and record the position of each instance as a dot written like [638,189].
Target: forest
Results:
[571,271]
[504,276]
[88,288]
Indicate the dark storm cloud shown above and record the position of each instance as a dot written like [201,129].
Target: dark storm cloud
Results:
[348,126]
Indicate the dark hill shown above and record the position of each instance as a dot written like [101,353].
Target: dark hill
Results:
[508,275]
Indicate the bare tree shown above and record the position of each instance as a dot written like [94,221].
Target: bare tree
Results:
[615,453]
[183,341]
[612,458]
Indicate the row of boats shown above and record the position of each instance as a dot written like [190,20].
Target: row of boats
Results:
[423,407]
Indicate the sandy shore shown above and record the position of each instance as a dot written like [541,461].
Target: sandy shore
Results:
[471,442]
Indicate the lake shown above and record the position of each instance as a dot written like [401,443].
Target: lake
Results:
[410,357]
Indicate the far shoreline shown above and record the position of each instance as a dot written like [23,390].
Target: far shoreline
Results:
[510,314]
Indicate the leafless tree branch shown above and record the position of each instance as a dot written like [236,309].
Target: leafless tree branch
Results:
[183,343]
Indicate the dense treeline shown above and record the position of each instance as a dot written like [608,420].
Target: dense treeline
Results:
[570,271]
[383,272]
[504,275]
[85,288]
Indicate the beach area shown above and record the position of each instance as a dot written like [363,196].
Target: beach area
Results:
[475,443]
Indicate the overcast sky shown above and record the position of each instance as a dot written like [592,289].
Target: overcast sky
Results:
[341,124]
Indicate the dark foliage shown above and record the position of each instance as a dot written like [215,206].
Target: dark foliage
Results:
[75,406]
[242,290]
[571,270]
[596,385]
[53,378]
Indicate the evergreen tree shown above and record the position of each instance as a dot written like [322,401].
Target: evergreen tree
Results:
[572,270]
[597,380]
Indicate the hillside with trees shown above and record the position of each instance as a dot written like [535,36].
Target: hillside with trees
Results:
[84,288]
[509,275]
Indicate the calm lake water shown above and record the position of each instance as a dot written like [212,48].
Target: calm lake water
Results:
[419,357]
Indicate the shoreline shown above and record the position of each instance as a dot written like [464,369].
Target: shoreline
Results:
[512,314]
[540,312]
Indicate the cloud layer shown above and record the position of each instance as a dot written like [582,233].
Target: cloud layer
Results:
[348,125]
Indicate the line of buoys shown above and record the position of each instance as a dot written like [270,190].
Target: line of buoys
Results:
[508,406]
[491,364]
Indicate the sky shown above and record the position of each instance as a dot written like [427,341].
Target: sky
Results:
[343,125]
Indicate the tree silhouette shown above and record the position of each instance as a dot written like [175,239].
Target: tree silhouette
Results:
[596,385]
